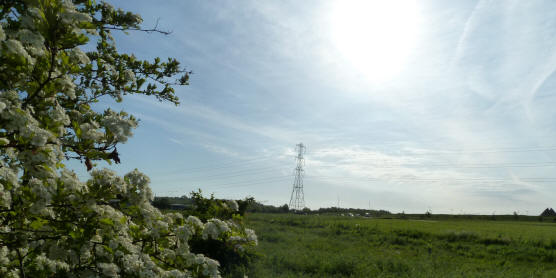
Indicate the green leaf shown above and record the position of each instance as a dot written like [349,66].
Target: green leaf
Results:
[140,82]
[74,234]
[38,223]
[108,249]
[107,221]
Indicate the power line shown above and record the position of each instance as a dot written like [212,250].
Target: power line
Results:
[238,184]
[390,179]
[241,172]
[452,165]
[441,152]
[247,183]
[210,168]
[252,183]
[228,164]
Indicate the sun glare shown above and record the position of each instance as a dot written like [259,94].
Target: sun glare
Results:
[375,36]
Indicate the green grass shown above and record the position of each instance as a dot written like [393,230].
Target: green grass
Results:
[332,246]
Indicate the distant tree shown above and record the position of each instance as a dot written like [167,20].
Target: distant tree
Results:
[161,202]
[245,204]
[548,212]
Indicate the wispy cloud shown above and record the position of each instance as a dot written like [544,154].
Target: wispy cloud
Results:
[467,29]
[174,140]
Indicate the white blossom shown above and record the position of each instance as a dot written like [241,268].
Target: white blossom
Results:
[108,67]
[36,51]
[120,126]
[34,12]
[71,16]
[40,136]
[27,36]
[42,193]
[14,273]
[109,269]
[2,34]
[67,86]
[90,131]
[131,263]
[96,238]
[195,222]
[58,114]
[214,228]
[210,268]
[8,176]
[140,182]
[71,182]
[232,204]
[251,236]
[44,262]
[79,56]
[4,259]
[185,232]
[129,76]
[5,197]
[15,47]
[174,273]
[85,253]
[159,228]
[109,179]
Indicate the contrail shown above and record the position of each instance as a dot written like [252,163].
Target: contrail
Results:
[466,30]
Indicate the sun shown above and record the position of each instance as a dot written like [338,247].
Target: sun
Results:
[376,37]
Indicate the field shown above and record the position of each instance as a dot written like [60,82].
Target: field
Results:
[335,246]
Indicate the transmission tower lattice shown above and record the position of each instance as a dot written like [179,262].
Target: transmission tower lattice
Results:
[297,200]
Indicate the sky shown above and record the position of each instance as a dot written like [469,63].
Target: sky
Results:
[445,106]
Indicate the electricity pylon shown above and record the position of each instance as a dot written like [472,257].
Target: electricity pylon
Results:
[297,200]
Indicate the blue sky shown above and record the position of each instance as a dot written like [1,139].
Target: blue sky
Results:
[445,106]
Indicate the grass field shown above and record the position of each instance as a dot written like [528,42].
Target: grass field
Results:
[334,246]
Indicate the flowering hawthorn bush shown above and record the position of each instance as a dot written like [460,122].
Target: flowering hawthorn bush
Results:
[232,255]
[51,223]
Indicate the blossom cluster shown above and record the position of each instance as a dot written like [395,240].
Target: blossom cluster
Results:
[110,243]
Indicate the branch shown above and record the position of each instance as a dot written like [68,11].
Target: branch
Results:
[154,29]
[53,54]
[164,262]
[20,263]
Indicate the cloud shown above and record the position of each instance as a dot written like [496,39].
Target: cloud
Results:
[221,150]
[174,140]
[215,117]
[468,27]
[421,176]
